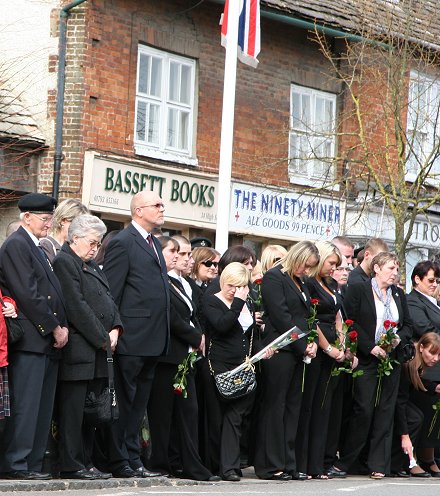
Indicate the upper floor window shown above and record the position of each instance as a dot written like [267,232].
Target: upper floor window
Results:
[423,137]
[312,136]
[165,106]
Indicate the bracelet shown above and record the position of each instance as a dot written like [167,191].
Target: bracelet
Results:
[328,349]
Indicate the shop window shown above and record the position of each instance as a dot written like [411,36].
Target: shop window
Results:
[312,136]
[422,129]
[165,95]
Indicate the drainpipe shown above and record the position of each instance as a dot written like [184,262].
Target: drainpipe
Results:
[58,157]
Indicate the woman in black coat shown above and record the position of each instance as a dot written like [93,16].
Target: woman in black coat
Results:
[287,304]
[173,419]
[94,322]
[370,304]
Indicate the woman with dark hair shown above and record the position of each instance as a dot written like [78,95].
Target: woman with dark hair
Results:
[287,304]
[373,305]
[99,259]
[414,422]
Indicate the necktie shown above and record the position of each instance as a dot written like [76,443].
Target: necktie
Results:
[150,241]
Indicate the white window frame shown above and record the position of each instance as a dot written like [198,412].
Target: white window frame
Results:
[306,171]
[423,121]
[161,148]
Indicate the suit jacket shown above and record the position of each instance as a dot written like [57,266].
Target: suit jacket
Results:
[357,275]
[139,284]
[182,333]
[27,277]
[91,314]
[285,306]
[360,307]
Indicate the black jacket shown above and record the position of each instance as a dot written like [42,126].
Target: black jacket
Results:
[91,313]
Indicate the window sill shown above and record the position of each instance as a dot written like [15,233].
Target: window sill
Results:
[162,155]
[313,182]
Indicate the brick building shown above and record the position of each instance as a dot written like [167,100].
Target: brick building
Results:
[142,109]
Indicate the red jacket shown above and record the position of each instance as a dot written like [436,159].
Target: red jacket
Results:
[4,334]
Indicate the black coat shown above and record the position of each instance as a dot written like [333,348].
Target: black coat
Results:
[91,313]
[285,306]
[360,307]
[27,277]
[182,333]
[139,284]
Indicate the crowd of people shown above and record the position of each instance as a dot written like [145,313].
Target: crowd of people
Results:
[155,319]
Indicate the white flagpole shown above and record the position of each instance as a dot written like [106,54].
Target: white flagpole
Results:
[227,131]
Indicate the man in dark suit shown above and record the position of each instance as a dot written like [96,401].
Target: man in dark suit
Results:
[27,276]
[138,279]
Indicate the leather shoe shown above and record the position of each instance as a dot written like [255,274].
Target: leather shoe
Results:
[283,476]
[124,473]
[299,476]
[99,474]
[144,473]
[421,474]
[232,477]
[214,478]
[82,474]
[334,472]
[401,473]
[26,475]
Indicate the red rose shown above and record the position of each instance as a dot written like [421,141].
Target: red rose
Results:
[258,281]
[294,335]
[349,322]
[314,301]
[387,324]
[178,390]
[394,324]
[353,335]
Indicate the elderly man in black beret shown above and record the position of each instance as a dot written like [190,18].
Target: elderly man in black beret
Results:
[26,275]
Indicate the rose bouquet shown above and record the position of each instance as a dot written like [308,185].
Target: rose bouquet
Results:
[183,369]
[349,344]
[387,341]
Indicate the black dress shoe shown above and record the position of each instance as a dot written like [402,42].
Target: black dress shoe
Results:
[421,474]
[144,473]
[124,473]
[283,476]
[82,474]
[99,474]
[231,477]
[299,476]
[214,478]
[401,473]
[334,472]
[26,475]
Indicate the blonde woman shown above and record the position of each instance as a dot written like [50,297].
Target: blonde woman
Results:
[271,255]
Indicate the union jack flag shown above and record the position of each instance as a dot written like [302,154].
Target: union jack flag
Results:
[248,30]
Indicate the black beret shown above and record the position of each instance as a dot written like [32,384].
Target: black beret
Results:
[201,241]
[37,202]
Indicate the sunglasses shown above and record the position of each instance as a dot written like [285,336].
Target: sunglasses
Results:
[276,259]
[210,263]
[432,281]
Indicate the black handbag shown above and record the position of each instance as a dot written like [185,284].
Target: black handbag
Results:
[102,408]
[235,385]
[14,327]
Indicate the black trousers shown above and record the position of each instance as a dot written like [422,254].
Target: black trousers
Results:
[366,415]
[173,424]
[279,415]
[32,382]
[133,380]
[76,437]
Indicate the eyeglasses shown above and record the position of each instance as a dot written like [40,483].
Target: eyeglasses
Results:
[45,220]
[158,206]
[340,269]
[432,281]
[210,263]
[93,244]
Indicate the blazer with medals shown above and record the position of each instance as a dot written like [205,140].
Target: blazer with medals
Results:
[28,278]
[139,284]
[360,307]
[285,306]
[91,313]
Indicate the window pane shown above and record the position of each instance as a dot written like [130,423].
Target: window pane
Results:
[296,110]
[140,120]
[144,73]
[174,82]
[153,124]
[172,128]
[185,85]
[156,77]
[306,110]
[183,131]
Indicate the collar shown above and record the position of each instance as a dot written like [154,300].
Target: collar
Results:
[140,229]
[33,237]
[430,298]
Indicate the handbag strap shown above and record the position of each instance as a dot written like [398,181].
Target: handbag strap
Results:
[211,370]
[111,376]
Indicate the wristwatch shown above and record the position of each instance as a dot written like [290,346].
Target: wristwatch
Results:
[328,349]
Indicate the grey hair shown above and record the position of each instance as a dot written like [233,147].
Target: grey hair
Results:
[83,225]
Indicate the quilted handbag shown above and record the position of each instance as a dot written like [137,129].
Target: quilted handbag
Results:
[231,386]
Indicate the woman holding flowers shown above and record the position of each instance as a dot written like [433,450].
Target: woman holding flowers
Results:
[287,304]
[416,421]
[381,318]
[319,384]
